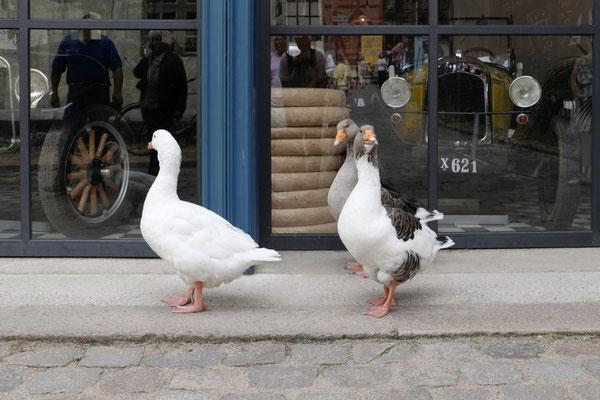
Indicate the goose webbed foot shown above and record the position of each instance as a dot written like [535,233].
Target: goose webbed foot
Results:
[175,301]
[357,268]
[354,266]
[198,303]
[382,307]
[378,312]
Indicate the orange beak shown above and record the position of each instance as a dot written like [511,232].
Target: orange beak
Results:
[340,137]
[369,136]
[150,146]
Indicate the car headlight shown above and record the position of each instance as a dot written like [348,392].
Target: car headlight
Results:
[38,87]
[395,92]
[525,91]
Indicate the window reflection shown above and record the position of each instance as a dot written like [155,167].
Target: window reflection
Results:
[514,129]
[9,9]
[144,9]
[109,92]
[316,82]
[349,12]
[518,12]
[514,126]
[10,211]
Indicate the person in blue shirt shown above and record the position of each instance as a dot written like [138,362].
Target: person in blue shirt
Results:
[87,57]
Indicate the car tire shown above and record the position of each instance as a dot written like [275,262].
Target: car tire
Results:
[558,173]
[131,115]
[83,174]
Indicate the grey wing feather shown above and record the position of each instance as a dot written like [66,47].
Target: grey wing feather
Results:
[391,198]
[404,222]
[408,269]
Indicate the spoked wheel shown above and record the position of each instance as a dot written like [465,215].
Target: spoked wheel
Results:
[558,186]
[83,177]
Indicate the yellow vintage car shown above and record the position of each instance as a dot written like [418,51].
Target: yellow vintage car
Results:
[495,125]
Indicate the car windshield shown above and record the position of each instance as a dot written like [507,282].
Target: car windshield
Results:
[488,49]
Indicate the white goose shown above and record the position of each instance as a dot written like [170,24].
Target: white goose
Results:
[391,243]
[347,177]
[204,248]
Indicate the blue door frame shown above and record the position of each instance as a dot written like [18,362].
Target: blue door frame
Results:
[228,123]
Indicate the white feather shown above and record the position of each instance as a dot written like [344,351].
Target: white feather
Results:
[369,235]
[199,244]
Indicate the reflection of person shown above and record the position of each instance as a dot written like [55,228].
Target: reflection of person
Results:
[399,54]
[87,57]
[163,87]
[581,87]
[381,65]
[363,67]
[280,47]
[341,74]
[307,69]
[329,62]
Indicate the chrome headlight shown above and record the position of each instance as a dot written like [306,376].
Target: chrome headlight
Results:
[525,91]
[395,92]
[38,87]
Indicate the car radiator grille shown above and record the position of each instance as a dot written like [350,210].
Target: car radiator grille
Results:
[460,92]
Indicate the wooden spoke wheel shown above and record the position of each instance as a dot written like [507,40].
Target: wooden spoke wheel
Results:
[83,174]
[94,178]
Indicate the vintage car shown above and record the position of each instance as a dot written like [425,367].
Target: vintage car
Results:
[496,127]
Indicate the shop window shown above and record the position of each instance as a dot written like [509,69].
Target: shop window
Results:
[149,9]
[10,212]
[532,12]
[514,127]
[349,12]
[318,82]
[90,164]
[9,9]
[514,133]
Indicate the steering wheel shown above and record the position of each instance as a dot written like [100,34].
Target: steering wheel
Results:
[478,49]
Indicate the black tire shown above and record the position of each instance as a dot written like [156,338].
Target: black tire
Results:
[131,115]
[84,173]
[558,172]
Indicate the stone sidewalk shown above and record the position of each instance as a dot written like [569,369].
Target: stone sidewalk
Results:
[549,367]
[308,295]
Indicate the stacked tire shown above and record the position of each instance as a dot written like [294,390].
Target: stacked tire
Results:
[304,161]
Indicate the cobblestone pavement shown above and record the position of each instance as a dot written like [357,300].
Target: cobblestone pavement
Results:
[464,368]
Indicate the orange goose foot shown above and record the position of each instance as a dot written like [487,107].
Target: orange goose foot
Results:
[198,303]
[175,301]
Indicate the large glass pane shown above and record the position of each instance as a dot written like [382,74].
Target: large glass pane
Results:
[9,9]
[120,9]
[349,12]
[514,133]
[518,12]
[91,167]
[10,212]
[318,82]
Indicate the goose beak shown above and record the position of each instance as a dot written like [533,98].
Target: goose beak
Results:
[340,137]
[369,137]
[150,146]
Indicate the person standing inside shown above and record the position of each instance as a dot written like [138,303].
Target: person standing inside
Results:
[363,68]
[86,56]
[581,119]
[341,74]
[399,54]
[163,89]
[307,69]
[279,49]
[381,65]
